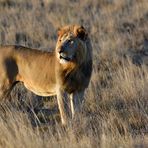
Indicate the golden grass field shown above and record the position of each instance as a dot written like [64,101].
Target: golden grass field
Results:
[115,113]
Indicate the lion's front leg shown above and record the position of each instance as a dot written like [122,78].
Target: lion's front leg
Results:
[76,100]
[63,105]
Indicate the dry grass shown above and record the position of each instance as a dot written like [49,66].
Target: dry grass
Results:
[116,108]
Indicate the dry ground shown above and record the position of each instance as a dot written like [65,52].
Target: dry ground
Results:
[115,113]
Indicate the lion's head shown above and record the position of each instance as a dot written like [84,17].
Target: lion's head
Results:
[73,45]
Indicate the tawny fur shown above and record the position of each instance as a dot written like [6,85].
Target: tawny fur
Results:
[44,74]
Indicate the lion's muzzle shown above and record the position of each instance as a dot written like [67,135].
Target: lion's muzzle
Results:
[65,54]
[65,57]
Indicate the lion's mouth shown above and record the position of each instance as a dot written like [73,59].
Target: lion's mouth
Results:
[65,57]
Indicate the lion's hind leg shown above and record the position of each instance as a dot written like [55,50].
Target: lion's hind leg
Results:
[4,95]
[8,74]
[5,88]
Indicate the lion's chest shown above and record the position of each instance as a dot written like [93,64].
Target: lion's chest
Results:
[74,82]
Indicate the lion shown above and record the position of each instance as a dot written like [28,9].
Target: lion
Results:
[65,72]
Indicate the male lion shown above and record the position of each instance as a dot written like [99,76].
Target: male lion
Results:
[65,72]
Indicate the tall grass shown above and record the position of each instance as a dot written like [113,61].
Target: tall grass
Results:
[115,113]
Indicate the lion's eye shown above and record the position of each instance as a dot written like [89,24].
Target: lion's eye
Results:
[70,41]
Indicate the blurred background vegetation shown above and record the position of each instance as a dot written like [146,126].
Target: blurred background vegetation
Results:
[115,113]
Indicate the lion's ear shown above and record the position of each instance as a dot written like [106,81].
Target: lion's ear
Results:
[81,33]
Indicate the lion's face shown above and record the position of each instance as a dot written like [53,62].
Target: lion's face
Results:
[71,44]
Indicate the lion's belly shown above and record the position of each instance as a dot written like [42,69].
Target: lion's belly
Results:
[41,90]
